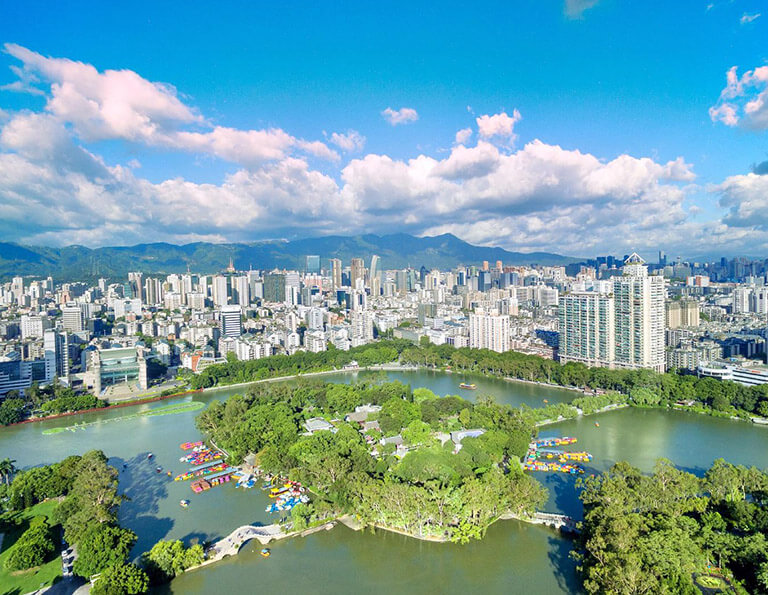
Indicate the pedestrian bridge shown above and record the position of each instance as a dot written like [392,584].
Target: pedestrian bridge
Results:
[556,521]
[231,544]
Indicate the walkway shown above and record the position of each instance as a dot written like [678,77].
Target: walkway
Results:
[230,545]
[556,521]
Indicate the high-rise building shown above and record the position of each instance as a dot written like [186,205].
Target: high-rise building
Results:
[586,322]
[489,331]
[230,321]
[335,273]
[72,318]
[153,291]
[241,291]
[683,312]
[137,287]
[374,278]
[220,290]
[56,346]
[624,329]
[312,264]
[639,317]
[33,326]
[274,287]
[741,298]
[357,272]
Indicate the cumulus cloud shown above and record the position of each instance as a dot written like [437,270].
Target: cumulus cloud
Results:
[748,18]
[75,197]
[541,185]
[574,9]
[746,198]
[463,135]
[400,116]
[744,100]
[499,125]
[539,197]
[120,104]
[350,142]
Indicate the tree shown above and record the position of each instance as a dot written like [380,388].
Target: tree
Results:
[11,411]
[102,546]
[126,579]
[7,469]
[33,548]
[92,499]
[168,559]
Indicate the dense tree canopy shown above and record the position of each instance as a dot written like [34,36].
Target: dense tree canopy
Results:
[431,490]
[651,534]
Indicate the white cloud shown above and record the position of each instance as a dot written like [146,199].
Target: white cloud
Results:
[746,198]
[75,197]
[541,187]
[748,18]
[120,104]
[350,142]
[463,135]
[743,101]
[574,9]
[499,125]
[401,116]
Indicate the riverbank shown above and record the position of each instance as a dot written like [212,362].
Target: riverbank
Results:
[613,407]
[100,409]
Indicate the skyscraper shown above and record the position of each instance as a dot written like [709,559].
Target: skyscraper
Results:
[356,272]
[586,322]
[622,330]
[241,291]
[639,317]
[220,290]
[230,322]
[312,264]
[375,280]
[335,273]
[274,287]
[137,285]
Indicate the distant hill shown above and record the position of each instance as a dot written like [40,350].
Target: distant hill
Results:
[395,251]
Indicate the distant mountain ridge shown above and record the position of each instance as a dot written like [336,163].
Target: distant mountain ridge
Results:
[395,251]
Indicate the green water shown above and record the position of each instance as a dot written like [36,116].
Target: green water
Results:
[514,557]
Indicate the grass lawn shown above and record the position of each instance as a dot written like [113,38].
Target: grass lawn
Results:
[24,581]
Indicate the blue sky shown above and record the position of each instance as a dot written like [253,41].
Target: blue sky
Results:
[589,126]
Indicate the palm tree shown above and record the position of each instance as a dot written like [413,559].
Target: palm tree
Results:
[7,469]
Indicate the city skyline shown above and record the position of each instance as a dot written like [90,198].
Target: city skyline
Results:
[519,131]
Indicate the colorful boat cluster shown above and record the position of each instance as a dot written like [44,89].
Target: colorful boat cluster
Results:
[191,445]
[287,496]
[201,455]
[208,467]
[202,485]
[541,457]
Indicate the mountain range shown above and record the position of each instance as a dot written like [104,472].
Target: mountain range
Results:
[400,250]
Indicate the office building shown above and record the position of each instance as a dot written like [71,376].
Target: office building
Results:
[72,318]
[312,264]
